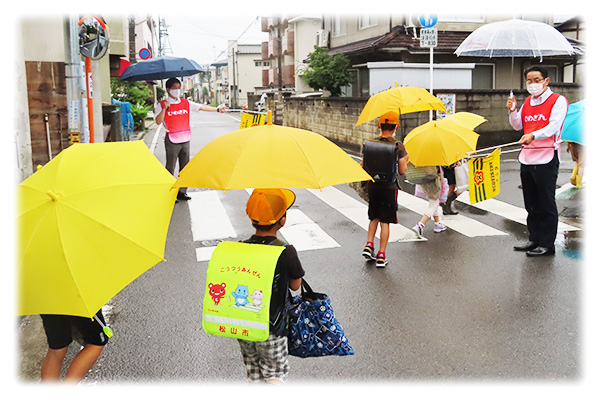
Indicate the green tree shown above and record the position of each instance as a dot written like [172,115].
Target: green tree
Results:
[136,93]
[327,72]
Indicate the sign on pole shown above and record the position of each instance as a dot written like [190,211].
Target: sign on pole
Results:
[144,53]
[428,20]
[429,37]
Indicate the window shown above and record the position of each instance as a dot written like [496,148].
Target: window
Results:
[366,21]
[338,25]
[483,77]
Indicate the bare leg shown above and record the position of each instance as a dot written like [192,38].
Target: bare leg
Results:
[372,230]
[52,364]
[83,362]
[385,236]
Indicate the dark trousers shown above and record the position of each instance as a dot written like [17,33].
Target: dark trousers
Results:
[539,190]
[175,152]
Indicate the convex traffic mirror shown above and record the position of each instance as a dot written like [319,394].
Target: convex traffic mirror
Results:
[93,37]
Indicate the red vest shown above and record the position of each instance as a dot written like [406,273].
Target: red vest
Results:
[535,118]
[177,119]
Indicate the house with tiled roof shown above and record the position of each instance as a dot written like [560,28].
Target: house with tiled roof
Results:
[374,43]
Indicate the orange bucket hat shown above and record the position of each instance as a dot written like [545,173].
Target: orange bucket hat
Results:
[390,117]
[267,206]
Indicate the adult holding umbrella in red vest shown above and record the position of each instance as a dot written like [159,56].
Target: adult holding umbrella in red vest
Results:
[174,113]
[541,117]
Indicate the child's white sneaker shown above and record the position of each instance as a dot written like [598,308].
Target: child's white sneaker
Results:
[439,227]
[418,229]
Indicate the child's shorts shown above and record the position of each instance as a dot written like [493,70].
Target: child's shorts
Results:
[266,360]
[59,330]
[383,202]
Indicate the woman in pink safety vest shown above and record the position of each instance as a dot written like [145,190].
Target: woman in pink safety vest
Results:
[541,117]
[174,114]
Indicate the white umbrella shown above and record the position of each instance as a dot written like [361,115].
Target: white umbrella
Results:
[516,38]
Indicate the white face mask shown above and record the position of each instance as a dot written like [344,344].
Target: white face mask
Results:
[535,89]
[174,93]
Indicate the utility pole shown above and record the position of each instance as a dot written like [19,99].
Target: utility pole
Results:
[74,78]
[132,52]
[234,85]
[279,56]
[162,34]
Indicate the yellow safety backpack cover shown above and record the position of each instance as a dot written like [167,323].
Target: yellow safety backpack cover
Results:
[239,284]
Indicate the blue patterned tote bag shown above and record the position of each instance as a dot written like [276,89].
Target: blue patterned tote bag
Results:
[313,329]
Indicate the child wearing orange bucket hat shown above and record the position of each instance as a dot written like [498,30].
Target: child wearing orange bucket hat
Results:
[267,362]
[383,159]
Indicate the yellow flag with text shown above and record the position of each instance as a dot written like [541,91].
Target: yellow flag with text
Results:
[249,120]
[484,177]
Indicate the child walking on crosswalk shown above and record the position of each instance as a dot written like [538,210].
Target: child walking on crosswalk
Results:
[383,159]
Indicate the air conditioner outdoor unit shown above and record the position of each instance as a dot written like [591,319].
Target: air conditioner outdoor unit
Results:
[322,38]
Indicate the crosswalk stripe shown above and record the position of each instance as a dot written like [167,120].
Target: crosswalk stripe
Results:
[209,218]
[299,229]
[459,223]
[303,233]
[210,221]
[356,211]
[508,211]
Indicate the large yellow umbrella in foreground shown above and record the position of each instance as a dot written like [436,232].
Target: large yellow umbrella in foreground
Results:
[90,221]
[270,156]
[407,99]
[443,142]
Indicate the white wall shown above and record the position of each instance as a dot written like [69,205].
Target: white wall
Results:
[43,39]
[382,75]
[305,32]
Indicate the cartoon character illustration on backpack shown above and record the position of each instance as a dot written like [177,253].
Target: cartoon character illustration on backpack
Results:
[241,295]
[217,292]
[257,297]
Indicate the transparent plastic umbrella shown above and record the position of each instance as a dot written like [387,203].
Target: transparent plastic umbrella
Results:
[516,38]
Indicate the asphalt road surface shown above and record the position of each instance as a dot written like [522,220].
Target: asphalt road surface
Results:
[458,306]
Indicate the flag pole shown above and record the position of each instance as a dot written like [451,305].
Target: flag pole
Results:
[493,147]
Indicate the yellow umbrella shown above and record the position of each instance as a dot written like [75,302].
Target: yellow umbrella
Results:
[466,119]
[407,99]
[270,156]
[439,142]
[90,221]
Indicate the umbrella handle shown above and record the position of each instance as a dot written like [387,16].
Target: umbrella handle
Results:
[107,331]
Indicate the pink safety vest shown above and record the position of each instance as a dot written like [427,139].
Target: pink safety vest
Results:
[535,118]
[177,119]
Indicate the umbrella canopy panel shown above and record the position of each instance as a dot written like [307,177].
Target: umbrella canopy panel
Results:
[439,143]
[161,68]
[270,156]
[402,99]
[574,125]
[83,233]
[515,38]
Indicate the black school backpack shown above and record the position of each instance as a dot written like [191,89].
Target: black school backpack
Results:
[278,318]
[380,160]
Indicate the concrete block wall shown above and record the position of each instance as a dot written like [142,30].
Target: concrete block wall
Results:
[335,117]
